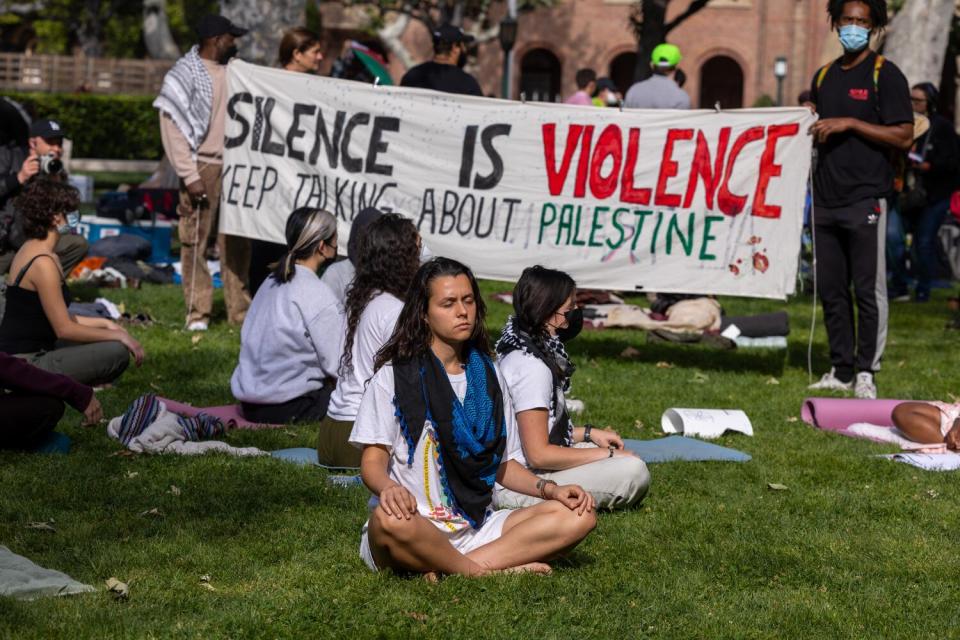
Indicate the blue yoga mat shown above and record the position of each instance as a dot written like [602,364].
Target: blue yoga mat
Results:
[305,457]
[674,448]
[56,443]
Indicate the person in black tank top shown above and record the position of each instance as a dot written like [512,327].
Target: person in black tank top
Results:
[36,324]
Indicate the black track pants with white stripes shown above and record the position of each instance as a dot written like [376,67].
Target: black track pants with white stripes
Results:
[851,245]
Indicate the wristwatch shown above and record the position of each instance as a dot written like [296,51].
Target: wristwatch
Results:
[587,428]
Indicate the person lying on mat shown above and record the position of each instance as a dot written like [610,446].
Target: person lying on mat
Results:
[36,324]
[537,369]
[929,422]
[388,258]
[32,403]
[292,337]
[437,431]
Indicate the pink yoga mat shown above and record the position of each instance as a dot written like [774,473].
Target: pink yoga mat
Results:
[229,414]
[836,414]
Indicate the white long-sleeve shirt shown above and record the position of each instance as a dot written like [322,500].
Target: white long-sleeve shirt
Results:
[291,340]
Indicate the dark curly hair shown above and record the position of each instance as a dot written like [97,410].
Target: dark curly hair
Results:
[42,200]
[389,258]
[878,11]
[412,336]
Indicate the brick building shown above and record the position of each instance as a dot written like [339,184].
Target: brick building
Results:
[729,48]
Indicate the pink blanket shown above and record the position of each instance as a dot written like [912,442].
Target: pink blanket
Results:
[230,414]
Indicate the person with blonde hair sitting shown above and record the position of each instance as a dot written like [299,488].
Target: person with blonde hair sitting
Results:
[292,337]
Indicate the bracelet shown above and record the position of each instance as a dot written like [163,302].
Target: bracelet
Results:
[587,428]
[541,484]
[611,452]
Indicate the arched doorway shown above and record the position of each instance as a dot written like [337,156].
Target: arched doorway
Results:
[721,80]
[622,69]
[540,76]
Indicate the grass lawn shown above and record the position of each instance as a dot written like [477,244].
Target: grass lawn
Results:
[855,547]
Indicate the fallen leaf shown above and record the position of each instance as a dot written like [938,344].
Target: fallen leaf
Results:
[132,474]
[197,337]
[638,424]
[292,434]
[419,617]
[155,513]
[793,419]
[773,486]
[665,365]
[630,352]
[699,378]
[42,526]
[901,364]
[120,590]
[122,453]
[205,577]
[174,490]
[932,493]
[773,381]
[208,586]
[155,387]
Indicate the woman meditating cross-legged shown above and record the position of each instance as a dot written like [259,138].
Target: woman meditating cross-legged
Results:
[537,370]
[929,423]
[387,259]
[37,325]
[437,432]
[292,337]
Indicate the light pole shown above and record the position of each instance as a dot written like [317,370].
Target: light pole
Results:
[780,71]
[508,38]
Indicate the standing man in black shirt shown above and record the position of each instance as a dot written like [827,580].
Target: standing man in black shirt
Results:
[444,72]
[865,115]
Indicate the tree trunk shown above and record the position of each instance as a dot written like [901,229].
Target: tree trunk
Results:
[651,27]
[156,31]
[391,36]
[918,37]
[267,23]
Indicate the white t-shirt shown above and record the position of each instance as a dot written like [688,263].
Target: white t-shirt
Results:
[291,340]
[374,329]
[530,384]
[377,423]
[338,277]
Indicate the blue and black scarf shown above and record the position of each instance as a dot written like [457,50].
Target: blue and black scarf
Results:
[472,434]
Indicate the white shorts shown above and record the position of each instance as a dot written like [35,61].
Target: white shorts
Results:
[464,541]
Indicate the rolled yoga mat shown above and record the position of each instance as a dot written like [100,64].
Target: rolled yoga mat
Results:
[836,414]
[230,414]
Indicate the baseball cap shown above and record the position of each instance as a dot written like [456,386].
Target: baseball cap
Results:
[449,33]
[666,55]
[213,25]
[606,83]
[46,129]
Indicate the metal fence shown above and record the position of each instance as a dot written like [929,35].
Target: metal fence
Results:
[67,74]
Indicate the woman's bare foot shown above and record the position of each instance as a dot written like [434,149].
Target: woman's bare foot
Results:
[541,568]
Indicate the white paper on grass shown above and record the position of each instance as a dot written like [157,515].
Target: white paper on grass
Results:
[705,423]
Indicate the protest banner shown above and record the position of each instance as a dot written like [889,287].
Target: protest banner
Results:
[673,201]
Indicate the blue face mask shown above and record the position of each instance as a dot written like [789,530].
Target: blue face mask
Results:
[854,38]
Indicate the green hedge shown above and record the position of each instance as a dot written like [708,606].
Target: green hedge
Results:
[114,127]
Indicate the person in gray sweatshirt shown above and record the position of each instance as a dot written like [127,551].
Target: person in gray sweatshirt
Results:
[292,337]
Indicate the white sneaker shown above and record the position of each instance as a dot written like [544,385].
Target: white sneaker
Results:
[197,325]
[830,382]
[865,388]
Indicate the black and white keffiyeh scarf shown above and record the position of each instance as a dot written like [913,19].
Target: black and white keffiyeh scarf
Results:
[187,97]
[551,352]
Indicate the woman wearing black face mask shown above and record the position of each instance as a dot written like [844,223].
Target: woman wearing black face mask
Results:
[537,370]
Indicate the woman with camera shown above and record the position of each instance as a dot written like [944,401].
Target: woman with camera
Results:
[36,325]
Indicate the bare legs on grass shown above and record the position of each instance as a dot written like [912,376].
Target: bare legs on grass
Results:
[530,537]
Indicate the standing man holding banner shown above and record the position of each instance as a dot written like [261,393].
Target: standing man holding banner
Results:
[192,105]
[445,72]
[865,114]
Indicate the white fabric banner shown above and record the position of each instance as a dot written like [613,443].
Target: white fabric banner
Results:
[672,201]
